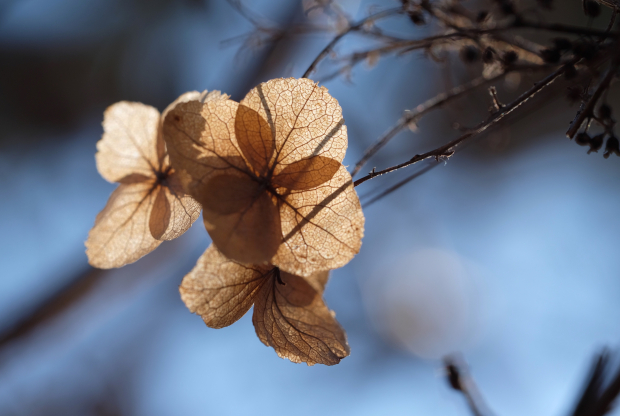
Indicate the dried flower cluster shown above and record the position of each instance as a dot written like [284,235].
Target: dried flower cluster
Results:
[267,172]
[276,200]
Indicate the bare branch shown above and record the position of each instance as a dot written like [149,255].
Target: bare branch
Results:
[587,109]
[447,149]
[400,184]
[422,109]
[432,104]
[601,389]
[65,298]
[351,28]
[460,380]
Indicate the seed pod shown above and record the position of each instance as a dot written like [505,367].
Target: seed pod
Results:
[550,56]
[596,143]
[507,7]
[612,146]
[510,57]
[570,72]
[562,44]
[417,18]
[574,94]
[470,54]
[585,50]
[591,8]
[583,139]
[488,56]
[604,112]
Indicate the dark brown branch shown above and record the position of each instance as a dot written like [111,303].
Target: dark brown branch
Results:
[460,380]
[587,109]
[459,33]
[613,4]
[467,33]
[601,389]
[447,149]
[54,305]
[574,30]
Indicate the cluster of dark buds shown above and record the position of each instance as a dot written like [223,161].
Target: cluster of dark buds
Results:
[604,118]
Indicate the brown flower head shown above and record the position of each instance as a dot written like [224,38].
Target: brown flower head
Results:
[289,312]
[269,176]
[149,206]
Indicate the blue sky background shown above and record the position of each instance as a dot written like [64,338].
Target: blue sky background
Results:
[506,254]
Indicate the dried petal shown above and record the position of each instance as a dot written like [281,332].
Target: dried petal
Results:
[229,194]
[307,173]
[241,218]
[307,121]
[220,290]
[129,142]
[318,280]
[201,140]
[184,98]
[203,97]
[293,319]
[159,220]
[255,138]
[322,227]
[121,234]
[177,213]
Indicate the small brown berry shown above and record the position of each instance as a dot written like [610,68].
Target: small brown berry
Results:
[510,58]
[550,56]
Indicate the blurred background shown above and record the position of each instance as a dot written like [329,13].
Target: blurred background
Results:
[507,253]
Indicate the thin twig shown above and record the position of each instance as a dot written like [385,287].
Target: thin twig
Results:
[355,27]
[447,149]
[422,109]
[400,184]
[428,106]
[587,110]
[249,15]
[403,46]
[460,380]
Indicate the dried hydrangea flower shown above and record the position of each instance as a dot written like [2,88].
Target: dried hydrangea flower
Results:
[269,176]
